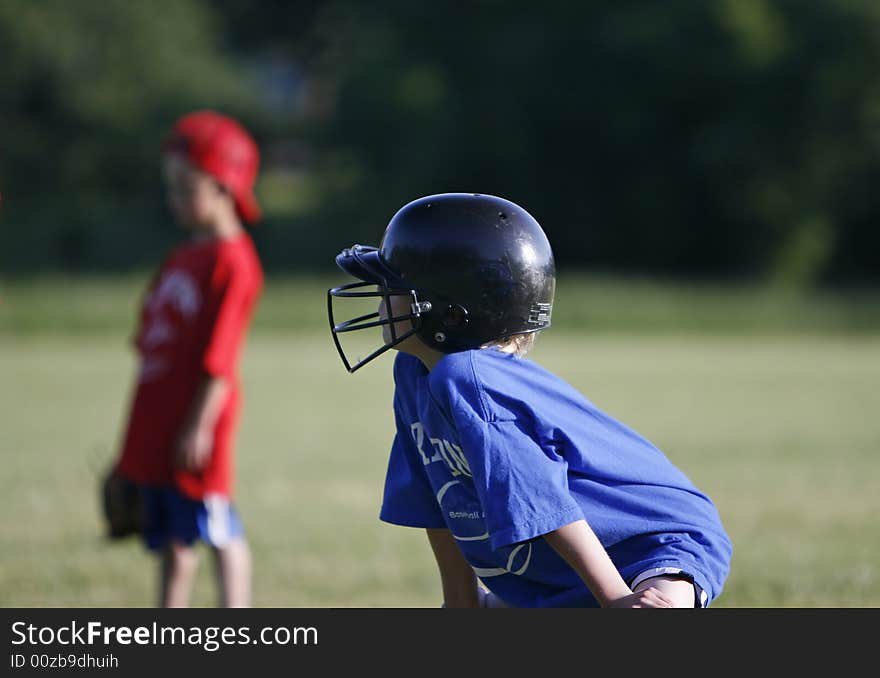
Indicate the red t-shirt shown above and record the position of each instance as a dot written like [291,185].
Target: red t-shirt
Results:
[193,322]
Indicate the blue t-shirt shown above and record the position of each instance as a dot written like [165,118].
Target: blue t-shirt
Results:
[500,451]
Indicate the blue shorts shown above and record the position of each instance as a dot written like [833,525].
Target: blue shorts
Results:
[171,515]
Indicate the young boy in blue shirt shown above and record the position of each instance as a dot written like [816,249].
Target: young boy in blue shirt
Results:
[530,495]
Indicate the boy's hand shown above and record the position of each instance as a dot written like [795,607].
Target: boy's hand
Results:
[649,597]
[194,448]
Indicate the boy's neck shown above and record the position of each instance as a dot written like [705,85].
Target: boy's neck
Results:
[417,348]
[222,229]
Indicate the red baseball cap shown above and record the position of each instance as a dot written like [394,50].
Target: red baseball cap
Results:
[221,147]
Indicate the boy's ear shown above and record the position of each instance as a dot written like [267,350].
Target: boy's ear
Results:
[222,189]
[455,316]
[225,192]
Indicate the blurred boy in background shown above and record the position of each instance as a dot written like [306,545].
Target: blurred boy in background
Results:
[179,441]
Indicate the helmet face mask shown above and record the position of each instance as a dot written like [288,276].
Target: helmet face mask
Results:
[474,269]
[374,319]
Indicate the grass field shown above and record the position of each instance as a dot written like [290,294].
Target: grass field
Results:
[768,402]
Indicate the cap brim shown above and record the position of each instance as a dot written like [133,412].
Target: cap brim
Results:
[248,208]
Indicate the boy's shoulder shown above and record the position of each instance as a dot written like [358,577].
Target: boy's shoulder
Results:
[452,370]
[501,386]
[473,371]
[477,365]
[236,257]
[484,381]
[186,255]
[215,261]
[194,250]
[454,367]
[240,248]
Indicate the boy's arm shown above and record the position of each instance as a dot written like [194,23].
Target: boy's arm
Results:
[456,575]
[197,435]
[580,547]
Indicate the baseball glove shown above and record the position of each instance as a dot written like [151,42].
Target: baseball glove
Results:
[121,506]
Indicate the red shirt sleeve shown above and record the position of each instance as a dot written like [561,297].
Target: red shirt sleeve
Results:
[233,290]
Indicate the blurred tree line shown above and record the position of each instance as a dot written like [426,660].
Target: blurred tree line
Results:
[725,138]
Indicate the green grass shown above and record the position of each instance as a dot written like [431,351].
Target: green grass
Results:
[777,423]
[86,304]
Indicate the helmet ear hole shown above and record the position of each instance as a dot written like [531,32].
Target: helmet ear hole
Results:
[454,316]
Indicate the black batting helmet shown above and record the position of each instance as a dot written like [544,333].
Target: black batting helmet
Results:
[476,268]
